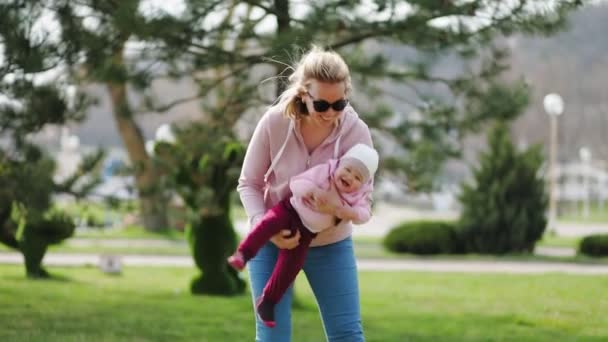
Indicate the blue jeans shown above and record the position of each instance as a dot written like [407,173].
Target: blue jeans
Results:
[331,271]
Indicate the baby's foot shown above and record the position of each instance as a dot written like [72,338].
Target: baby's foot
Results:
[265,311]
[237,261]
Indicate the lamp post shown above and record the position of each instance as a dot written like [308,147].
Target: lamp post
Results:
[585,155]
[554,107]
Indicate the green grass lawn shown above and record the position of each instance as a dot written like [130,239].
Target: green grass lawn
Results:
[559,241]
[153,304]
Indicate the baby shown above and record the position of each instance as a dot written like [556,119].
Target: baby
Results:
[341,187]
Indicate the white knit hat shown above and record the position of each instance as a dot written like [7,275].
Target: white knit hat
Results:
[366,155]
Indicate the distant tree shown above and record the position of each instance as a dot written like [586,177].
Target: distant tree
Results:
[29,100]
[504,208]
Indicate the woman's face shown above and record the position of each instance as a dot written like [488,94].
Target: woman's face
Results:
[330,93]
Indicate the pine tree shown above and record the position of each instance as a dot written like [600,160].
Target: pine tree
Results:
[504,209]
[29,101]
[386,44]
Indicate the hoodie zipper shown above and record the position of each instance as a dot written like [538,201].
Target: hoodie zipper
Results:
[323,144]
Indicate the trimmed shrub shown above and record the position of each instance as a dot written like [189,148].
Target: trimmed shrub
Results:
[37,234]
[594,245]
[203,167]
[424,237]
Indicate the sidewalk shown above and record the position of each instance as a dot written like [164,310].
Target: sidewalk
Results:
[395,265]
[386,216]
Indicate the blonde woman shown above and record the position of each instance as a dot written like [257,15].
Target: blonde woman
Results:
[311,123]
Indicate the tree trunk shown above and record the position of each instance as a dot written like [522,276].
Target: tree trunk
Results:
[283,27]
[152,204]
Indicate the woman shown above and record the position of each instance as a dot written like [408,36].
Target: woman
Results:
[310,124]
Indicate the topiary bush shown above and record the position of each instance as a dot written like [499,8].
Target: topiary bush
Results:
[36,235]
[594,245]
[203,166]
[28,222]
[424,237]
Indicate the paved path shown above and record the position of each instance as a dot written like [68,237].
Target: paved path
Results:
[387,216]
[148,243]
[465,266]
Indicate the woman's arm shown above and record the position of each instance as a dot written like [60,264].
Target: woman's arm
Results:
[255,165]
[251,183]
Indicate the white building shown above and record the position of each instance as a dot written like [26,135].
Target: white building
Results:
[577,179]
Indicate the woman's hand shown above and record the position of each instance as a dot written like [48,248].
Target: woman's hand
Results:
[324,206]
[283,240]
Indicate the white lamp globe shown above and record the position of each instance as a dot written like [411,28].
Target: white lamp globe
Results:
[554,104]
[585,154]
[164,133]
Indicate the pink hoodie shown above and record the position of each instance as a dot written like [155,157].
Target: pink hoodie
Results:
[321,177]
[277,152]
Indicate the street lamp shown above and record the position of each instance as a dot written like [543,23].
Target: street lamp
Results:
[585,155]
[554,107]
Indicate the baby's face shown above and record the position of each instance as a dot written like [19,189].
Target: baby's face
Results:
[348,178]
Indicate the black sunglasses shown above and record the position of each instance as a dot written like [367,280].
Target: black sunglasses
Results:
[323,106]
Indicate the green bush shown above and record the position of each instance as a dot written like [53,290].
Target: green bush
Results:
[424,237]
[594,245]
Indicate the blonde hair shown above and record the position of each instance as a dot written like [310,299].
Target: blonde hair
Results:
[317,64]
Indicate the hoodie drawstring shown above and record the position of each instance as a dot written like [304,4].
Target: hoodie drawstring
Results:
[337,147]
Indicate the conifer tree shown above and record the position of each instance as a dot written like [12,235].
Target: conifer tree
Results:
[504,208]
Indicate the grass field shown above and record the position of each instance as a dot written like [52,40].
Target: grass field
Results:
[152,304]
[573,212]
